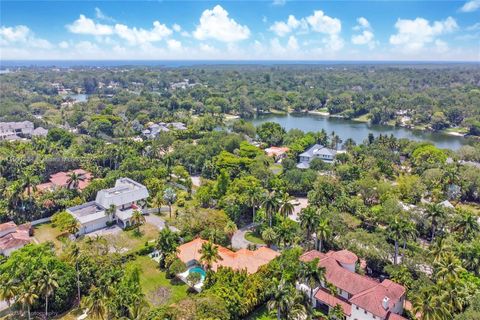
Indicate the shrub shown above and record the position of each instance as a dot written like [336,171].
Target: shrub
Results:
[176,267]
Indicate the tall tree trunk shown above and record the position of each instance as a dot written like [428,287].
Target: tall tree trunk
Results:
[433,229]
[253,213]
[28,311]
[170,211]
[78,282]
[46,306]
[396,253]
[279,314]
[320,244]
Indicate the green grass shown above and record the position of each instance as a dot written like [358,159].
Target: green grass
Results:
[250,236]
[130,241]
[260,313]
[362,118]
[457,130]
[45,232]
[276,168]
[156,287]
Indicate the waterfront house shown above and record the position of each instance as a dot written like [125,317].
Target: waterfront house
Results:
[277,153]
[360,297]
[317,151]
[126,197]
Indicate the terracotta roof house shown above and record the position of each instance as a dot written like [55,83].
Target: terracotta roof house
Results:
[361,297]
[243,259]
[277,152]
[13,237]
[126,197]
[60,180]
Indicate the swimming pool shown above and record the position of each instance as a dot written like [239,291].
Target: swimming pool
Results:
[198,270]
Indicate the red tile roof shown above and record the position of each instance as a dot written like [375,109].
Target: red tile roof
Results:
[394,316]
[60,180]
[7,225]
[19,237]
[276,151]
[332,301]
[365,292]
[240,260]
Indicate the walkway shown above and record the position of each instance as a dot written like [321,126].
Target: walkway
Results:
[300,203]
[238,239]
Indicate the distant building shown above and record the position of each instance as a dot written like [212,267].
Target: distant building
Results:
[154,129]
[13,237]
[317,151]
[61,180]
[39,132]
[10,130]
[360,297]
[126,196]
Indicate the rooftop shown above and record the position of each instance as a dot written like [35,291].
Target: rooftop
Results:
[86,212]
[318,149]
[125,191]
[14,236]
[241,260]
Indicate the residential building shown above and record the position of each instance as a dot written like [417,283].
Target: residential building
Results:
[154,129]
[39,132]
[10,130]
[361,297]
[317,151]
[277,153]
[126,197]
[13,237]
[61,180]
[244,259]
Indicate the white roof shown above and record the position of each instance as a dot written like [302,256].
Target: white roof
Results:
[125,191]
[124,214]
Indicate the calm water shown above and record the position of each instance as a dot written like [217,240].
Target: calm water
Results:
[358,131]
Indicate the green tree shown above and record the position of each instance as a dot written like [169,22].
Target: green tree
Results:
[271,133]
[312,274]
[47,284]
[170,197]
[209,254]
[167,243]
[323,232]
[269,236]
[309,220]
[27,297]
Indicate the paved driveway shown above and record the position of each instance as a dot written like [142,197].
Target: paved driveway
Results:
[158,222]
[238,239]
[300,203]
[115,229]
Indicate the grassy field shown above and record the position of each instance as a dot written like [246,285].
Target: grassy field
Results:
[276,168]
[362,118]
[129,240]
[157,288]
[250,236]
[45,232]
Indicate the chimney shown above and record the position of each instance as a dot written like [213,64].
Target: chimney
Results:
[385,303]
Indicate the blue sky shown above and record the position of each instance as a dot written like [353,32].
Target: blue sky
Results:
[241,30]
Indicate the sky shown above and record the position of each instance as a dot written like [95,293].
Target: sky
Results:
[240,30]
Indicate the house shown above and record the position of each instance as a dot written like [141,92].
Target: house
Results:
[126,197]
[244,259]
[13,237]
[39,132]
[10,130]
[61,180]
[316,151]
[277,153]
[360,297]
[154,129]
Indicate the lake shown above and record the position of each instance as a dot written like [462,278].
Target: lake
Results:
[358,131]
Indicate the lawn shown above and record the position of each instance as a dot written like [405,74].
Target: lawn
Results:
[156,287]
[276,168]
[45,232]
[129,240]
[252,237]
[362,118]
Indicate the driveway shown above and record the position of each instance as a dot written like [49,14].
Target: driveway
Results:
[115,229]
[238,239]
[300,203]
[158,222]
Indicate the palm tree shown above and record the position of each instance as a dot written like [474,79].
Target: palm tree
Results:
[74,179]
[323,231]
[110,211]
[95,302]
[466,224]
[395,231]
[336,313]
[230,229]
[170,197]
[271,205]
[46,285]
[437,213]
[448,267]
[157,201]
[209,254]
[286,206]
[75,255]
[309,219]
[286,301]
[255,196]
[27,297]
[269,236]
[167,243]
[312,275]
[73,227]
[430,304]
[137,219]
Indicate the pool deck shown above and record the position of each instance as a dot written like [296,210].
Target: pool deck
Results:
[183,276]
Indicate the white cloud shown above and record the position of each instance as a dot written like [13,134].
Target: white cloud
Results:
[216,24]
[176,27]
[413,35]
[323,23]
[282,28]
[279,2]
[474,27]
[23,36]
[63,45]
[139,36]
[100,15]
[14,34]
[292,43]
[366,37]
[470,6]
[84,25]
[441,46]
[174,44]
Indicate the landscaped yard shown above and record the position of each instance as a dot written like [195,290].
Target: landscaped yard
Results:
[45,232]
[157,288]
[128,240]
[252,237]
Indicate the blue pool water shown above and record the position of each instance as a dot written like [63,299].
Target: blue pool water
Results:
[198,270]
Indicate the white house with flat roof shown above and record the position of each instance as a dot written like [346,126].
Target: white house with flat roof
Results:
[126,197]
